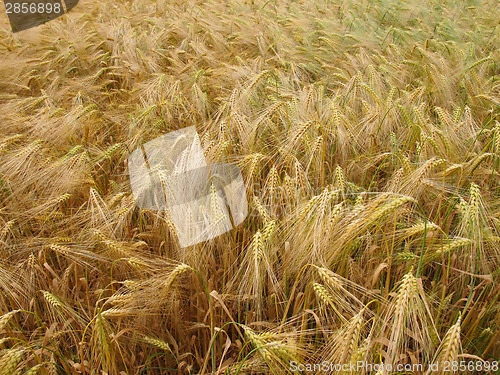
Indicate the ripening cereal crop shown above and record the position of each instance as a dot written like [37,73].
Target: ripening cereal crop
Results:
[367,133]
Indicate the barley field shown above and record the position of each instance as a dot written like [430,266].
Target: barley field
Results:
[368,136]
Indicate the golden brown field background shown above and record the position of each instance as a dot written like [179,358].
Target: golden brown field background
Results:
[368,134]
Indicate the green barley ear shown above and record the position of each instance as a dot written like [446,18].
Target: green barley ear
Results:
[340,180]
[444,117]
[475,226]
[36,369]
[101,338]
[394,142]
[496,144]
[262,211]
[342,301]
[271,184]
[276,352]
[4,319]
[455,243]
[269,230]
[179,270]
[258,342]
[329,278]
[335,214]
[117,198]
[137,263]
[7,229]
[352,336]
[407,321]
[116,313]
[10,360]
[327,299]
[344,345]
[390,98]
[300,176]
[158,343]
[62,309]
[450,347]
[323,294]
[252,161]
[52,300]
[419,228]
[452,342]
[389,207]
